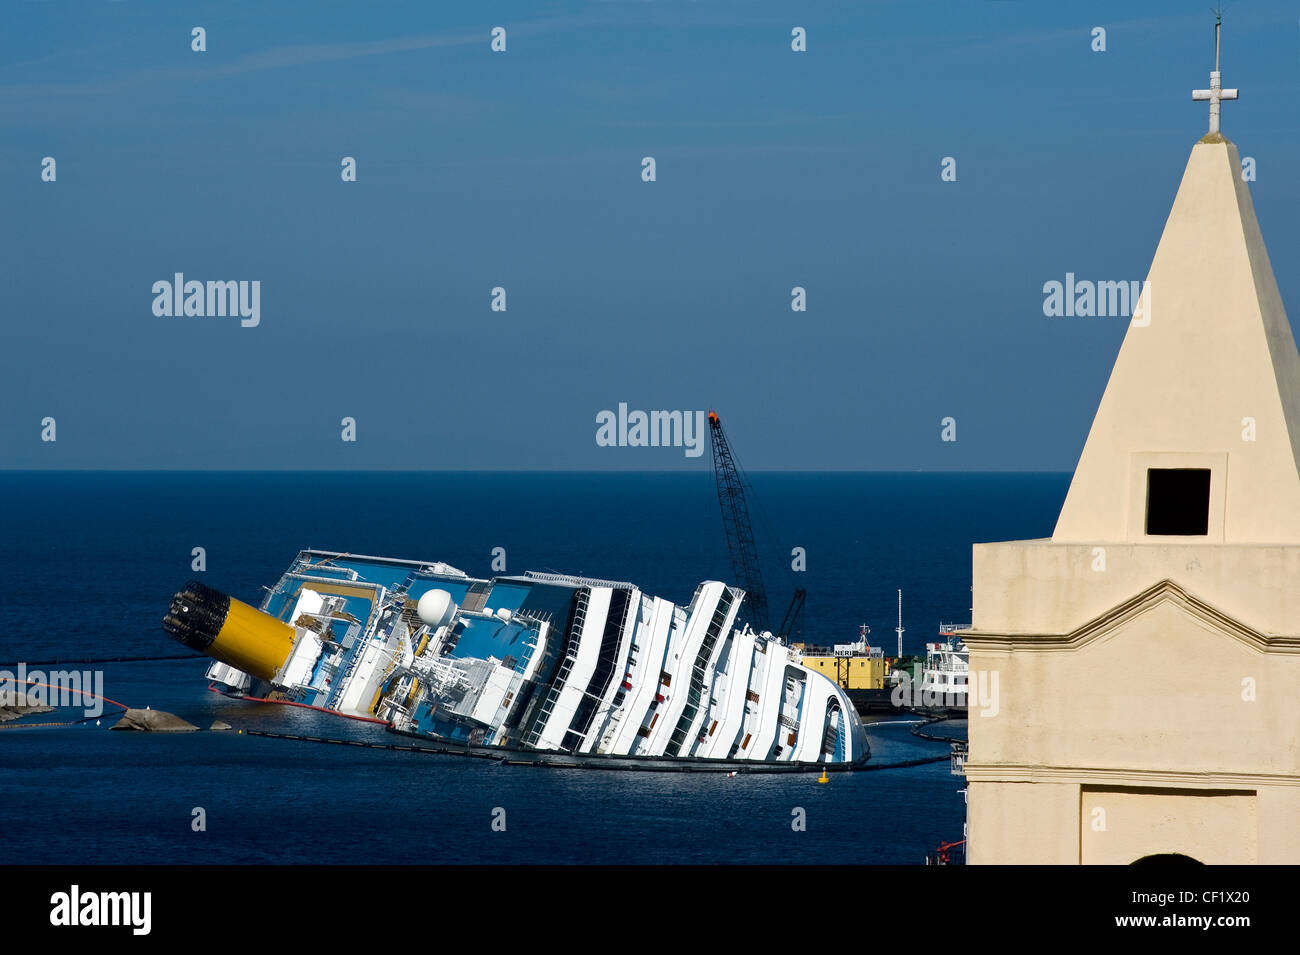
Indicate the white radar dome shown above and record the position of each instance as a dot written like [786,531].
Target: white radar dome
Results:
[436,608]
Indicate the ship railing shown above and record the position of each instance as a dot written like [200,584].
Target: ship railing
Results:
[562,674]
[550,578]
[358,651]
[957,759]
[398,714]
[442,675]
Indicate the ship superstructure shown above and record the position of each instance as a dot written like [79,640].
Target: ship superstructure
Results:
[549,663]
[947,667]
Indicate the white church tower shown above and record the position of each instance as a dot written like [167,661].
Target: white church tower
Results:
[1148,653]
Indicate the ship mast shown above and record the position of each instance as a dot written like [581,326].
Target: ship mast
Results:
[899,628]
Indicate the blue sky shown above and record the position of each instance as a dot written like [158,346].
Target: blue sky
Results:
[522,169]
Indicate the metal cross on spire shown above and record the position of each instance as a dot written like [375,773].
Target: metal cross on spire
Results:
[1215,93]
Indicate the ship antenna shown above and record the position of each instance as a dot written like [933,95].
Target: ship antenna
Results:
[900,624]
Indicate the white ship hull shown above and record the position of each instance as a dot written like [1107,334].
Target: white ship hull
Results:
[551,665]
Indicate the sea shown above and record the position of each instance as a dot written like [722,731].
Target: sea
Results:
[89,561]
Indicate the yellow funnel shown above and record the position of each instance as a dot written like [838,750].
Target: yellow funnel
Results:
[229,630]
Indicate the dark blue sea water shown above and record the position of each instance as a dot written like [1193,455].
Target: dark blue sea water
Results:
[89,561]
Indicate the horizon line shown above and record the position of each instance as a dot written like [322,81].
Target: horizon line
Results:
[699,471]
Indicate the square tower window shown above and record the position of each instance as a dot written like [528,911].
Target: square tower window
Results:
[1178,501]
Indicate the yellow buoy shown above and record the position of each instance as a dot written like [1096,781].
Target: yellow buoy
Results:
[823,778]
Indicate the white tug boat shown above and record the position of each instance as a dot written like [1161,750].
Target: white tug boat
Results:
[946,673]
[551,668]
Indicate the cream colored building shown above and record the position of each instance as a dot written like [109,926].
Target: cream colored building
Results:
[1148,653]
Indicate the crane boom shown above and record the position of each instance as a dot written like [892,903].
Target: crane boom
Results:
[793,615]
[735,521]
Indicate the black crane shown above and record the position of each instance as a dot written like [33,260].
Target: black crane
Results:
[740,536]
[793,615]
[735,521]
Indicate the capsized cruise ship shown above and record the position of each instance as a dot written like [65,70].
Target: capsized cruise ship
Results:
[592,670]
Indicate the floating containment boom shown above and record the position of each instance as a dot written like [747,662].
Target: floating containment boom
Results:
[210,622]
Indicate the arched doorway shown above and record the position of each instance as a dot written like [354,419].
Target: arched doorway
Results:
[1167,860]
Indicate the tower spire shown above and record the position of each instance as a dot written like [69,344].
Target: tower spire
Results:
[1215,93]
